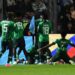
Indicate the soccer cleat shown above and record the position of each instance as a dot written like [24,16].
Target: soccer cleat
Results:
[71,62]
[52,63]
[14,63]
[48,61]
[25,62]
[10,62]
[36,61]
[40,63]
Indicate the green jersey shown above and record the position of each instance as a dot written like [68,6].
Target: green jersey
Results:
[62,44]
[25,23]
[44,28]
[7,28]
[19,29]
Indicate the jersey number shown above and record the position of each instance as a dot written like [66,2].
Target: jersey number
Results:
[5,28]
[19,25]
[45,30]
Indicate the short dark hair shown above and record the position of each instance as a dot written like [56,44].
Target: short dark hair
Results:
[63,34]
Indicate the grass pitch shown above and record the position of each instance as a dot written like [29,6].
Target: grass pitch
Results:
[63,69]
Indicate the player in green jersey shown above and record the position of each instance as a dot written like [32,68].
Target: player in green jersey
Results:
[62,49]
[45,27]
[19,38]
[7,32]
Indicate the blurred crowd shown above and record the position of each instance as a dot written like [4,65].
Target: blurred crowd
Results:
[66,15]
[65,11]
[26,7]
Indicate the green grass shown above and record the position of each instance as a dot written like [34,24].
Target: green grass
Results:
[38,70]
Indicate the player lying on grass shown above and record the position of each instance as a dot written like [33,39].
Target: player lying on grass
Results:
[62,49]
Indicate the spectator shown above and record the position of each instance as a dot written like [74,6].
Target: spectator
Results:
[65,17]
[73,20]
[63,3]
[11,5]
[69,28]
[38,6]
